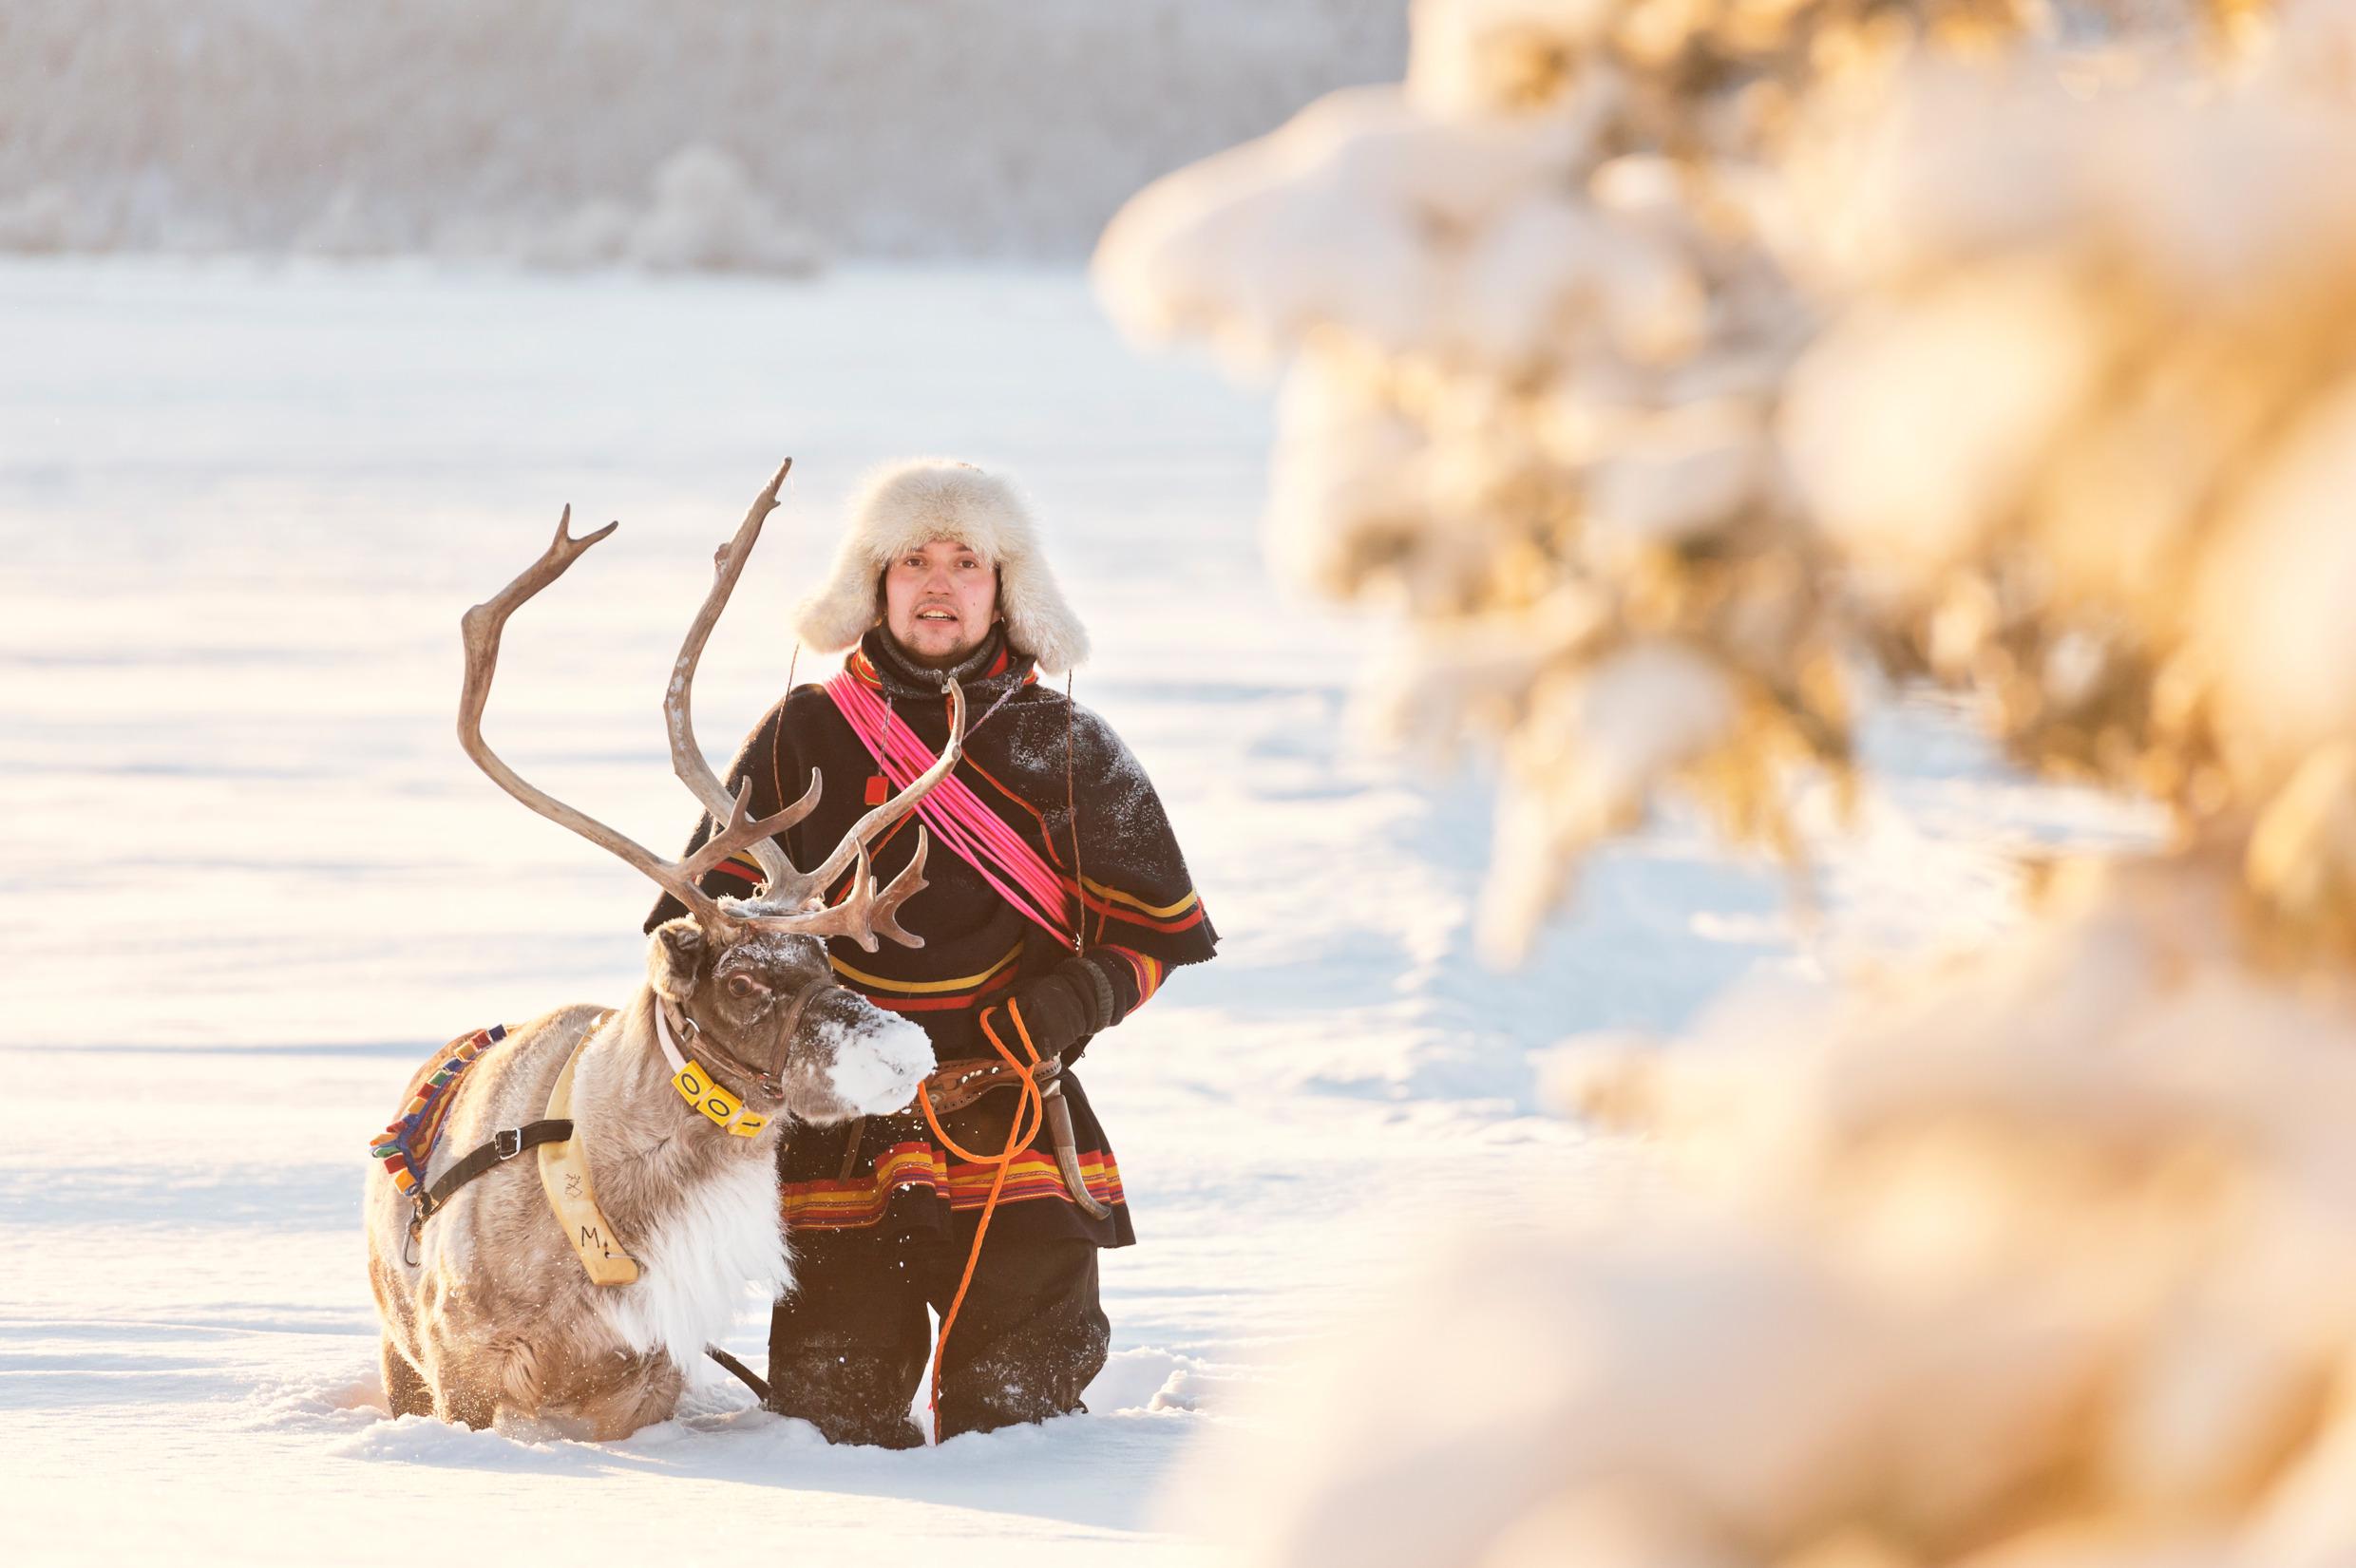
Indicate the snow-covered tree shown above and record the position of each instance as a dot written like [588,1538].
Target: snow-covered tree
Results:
[2086,434]
[2046,1260]
[1537,317]
[1537,307]
[2043,359]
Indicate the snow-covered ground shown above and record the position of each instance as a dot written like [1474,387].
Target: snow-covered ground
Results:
[249,879]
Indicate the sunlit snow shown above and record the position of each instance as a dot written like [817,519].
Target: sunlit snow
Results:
[251,880]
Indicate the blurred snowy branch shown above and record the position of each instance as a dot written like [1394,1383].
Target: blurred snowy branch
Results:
[1537,328]
[1541,308]
[2047,1261]
[1654,358]
[2087,433]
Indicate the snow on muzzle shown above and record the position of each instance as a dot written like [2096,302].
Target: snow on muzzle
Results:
[855,1059]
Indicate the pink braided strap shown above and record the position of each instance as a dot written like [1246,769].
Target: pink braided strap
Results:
[955,815]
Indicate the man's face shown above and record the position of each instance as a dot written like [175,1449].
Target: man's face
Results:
[939,601]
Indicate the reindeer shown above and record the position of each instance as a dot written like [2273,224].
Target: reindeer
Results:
[490,1300]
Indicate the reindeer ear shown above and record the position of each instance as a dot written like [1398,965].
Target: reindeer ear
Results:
[674,954]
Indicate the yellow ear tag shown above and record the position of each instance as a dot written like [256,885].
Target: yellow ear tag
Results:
[725,1110]
[696,1088]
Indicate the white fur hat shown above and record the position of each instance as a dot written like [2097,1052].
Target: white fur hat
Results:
[909,504]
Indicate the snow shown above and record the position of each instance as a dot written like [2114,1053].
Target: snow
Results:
[252,880]
[1991,362]
[1581,765]
[878,1062]
[2274,605]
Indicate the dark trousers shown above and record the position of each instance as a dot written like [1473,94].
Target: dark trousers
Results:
[847,1346]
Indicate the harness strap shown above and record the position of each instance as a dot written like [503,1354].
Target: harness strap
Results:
[960,1084]
[504,1145]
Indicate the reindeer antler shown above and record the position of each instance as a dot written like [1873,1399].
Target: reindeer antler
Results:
[687,758]
[862,916]
[482,627]
[865,914]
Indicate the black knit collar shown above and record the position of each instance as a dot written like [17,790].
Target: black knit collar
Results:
[985,674]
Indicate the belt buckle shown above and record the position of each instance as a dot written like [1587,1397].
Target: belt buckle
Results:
[507,1142]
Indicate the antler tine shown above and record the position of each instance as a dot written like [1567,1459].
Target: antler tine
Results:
[883,910]
[687,758]
[865,914]
[869,827]
[740,829]
[481,627]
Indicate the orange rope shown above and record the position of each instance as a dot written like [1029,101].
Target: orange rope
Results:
[1033,1103]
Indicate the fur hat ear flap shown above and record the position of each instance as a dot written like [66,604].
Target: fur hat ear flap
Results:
[910,504]
[674,953]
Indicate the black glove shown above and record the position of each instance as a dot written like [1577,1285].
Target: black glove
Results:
[1059,1008]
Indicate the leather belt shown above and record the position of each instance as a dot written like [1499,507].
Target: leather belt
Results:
[960,1084]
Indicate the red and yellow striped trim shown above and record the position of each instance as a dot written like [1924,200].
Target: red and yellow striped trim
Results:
[846,1205]
[1113,905]
[1034,1175]
[742,867]
[1148,969]
[833,1205]
[930,995]
[408,1144]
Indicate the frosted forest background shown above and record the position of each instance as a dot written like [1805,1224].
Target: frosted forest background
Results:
[723,134]
[1740,605]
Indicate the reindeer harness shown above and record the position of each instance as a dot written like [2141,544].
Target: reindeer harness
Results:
[408,1144]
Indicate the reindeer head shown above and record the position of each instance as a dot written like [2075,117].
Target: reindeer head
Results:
[746,980]
[760,1009]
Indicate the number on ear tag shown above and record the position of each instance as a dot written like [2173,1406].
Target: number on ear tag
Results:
[696,1088]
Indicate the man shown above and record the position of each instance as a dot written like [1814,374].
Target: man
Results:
[942,574]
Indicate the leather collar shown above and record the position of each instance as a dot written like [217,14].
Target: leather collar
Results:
[688,1036]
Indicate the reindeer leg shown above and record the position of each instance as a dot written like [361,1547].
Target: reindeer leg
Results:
[520,1386]
[466,1401]
[650,1393]
[405,1388]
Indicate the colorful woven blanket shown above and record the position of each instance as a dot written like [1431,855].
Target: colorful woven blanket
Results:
[407,1142]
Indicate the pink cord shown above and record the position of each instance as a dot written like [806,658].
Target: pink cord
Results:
[953,811]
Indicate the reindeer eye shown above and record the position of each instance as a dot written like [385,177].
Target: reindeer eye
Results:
[744,988]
